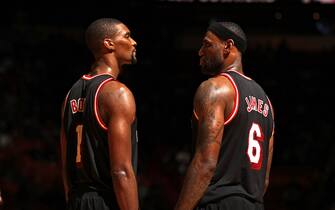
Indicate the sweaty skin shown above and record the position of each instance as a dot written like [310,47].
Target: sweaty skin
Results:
[213,103]
[119,113]
[117,108]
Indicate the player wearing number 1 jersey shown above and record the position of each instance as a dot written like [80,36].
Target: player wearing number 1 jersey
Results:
[98,130]
[233,127]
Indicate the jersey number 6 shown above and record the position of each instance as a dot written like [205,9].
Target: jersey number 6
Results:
[255,146]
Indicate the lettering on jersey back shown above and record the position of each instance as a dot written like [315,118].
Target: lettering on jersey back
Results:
[258,105]
[77,105]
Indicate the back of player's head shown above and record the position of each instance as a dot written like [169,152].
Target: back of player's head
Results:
[98,30]
[230,30]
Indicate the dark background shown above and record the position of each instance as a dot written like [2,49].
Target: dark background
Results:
[291,51]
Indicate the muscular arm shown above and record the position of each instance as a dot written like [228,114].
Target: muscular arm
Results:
[63,154]
[209,107]
[119,112]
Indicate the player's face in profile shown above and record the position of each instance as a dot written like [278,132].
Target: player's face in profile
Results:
[125,46]
[211,57]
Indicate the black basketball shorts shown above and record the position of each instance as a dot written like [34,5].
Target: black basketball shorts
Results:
[91,201]
[234,202]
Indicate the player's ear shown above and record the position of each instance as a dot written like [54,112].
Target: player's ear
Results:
[109,44]
[229,43]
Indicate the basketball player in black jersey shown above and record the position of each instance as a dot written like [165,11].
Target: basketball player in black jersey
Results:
[233,126]
[98,131]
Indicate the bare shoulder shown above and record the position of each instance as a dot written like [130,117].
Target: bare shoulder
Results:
[216,92]
[117,90]
[206,95]
[214,88]
[116,99]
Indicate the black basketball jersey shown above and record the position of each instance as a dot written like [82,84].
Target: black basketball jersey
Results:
[88,162]
[243,157]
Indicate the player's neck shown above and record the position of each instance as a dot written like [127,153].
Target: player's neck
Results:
[101,67]
[234,65]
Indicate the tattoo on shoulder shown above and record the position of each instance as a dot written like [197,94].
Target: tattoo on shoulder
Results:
[207,105]
[206,95]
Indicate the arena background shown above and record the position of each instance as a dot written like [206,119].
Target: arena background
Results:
[291,51]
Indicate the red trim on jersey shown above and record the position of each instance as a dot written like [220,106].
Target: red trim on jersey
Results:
[236,100]
[88,77]
[97,116]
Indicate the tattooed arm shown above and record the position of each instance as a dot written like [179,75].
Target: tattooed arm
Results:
[209,105]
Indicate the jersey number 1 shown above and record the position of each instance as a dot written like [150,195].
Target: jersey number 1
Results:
[255,147]
[79,130]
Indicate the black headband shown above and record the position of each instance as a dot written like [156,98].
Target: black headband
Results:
[224,33]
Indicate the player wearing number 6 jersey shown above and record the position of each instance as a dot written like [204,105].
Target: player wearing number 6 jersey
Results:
[98,130]
[233,127]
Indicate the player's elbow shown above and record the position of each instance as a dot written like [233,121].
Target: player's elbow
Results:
[119,173]
[124,172]
[208,165]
